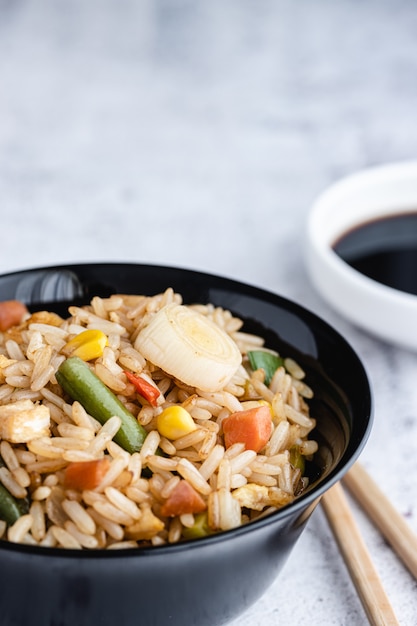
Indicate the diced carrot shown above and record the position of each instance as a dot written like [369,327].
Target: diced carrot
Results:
[149,392]
[252,427]
[85,474]
[11,313]
[183,499]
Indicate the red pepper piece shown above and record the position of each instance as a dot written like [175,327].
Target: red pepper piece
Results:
[148,391]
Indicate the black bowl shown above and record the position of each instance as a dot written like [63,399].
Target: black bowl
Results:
[209,581]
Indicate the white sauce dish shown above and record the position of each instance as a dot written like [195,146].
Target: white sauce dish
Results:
[367,222]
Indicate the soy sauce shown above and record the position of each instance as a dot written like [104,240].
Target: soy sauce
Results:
[384,250]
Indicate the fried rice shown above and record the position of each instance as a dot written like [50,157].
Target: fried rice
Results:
[125,509]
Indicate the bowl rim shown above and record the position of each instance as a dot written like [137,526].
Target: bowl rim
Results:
[304,501]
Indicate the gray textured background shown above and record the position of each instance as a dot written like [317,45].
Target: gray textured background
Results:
[199,134]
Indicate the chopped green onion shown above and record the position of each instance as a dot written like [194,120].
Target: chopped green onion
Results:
[200,528]
[296,459]
[269,362]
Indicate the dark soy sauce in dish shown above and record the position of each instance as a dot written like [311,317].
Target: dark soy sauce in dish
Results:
[384,249]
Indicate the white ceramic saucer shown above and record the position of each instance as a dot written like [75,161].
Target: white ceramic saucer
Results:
[388,313]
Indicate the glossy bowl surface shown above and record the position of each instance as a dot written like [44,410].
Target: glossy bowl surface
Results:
[209,581]
[378,192]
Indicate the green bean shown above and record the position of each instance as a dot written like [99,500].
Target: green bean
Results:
[10,510]
[82,384]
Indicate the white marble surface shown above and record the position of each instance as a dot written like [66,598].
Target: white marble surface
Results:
[198,134]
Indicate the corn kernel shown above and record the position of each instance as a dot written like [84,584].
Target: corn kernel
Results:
[87,345]
[175,422]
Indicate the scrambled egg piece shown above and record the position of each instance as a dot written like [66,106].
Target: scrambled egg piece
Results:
[4,362]
[147,526]
[45,317]
[23,421]
[257,497]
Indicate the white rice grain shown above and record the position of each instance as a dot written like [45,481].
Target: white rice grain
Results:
[111,512]
[14,351]
[150,445]
[308,447]
[242,460]
[190,440]
[261,467]
[69,443]
[43,378]
[8,455]
[304,390]
[297,417]
[212,462]
[115,451]
[198,413]
[75,432]
[104,435]
[113,529]
[263,479]
[79,516]
[138,495]
[82,418]
[18,368]
[157,463]
[167,446]
[53,397]
[65,539]
[238,480]
[18,381]
[5,392]
[79,456]
[117,466]
[169,486]
[224,474]
[279,438]
[191,473]
[174,530]
[285,479]
[229,510]
[122,502]
[109,361]
[207,445]
[115,383]
[18,530]
[262,389]
[21,477]
[7,479]
[49,541]
[234,450]
[44,447]
[84,539]
[135,466]
[187,520]
[38,528]
[24,456]
[294,368]
[41,493]
[45,467]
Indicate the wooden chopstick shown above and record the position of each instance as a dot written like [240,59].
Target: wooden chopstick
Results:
[385,517]
[358,561]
